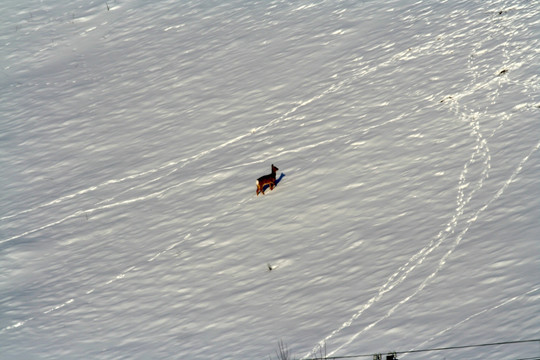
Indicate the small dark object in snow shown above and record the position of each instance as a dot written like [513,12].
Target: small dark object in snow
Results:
[503,72]
[447,98]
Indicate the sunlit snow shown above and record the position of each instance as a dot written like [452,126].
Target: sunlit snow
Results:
[407,211]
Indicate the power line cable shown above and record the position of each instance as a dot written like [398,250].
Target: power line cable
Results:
[470,346]
[434,349]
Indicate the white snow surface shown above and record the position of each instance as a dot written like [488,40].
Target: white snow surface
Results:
[407,139]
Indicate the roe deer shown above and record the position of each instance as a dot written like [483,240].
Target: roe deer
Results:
[269,179]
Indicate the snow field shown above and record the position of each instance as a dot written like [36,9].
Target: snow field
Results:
[405,216]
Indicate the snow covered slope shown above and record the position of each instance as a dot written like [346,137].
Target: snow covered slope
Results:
[406,216]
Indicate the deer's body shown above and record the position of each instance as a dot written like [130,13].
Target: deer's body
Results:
[269,180]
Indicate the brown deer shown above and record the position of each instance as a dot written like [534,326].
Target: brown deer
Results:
[269,179]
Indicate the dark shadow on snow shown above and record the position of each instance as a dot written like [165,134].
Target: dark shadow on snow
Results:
[279,179]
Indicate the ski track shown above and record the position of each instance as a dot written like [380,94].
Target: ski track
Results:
[331,89]
[417,259]
[183,163]
[391,284]
[179,164]
[444,259]
[480,150]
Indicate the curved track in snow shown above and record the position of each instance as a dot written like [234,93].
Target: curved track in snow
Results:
[466,187]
